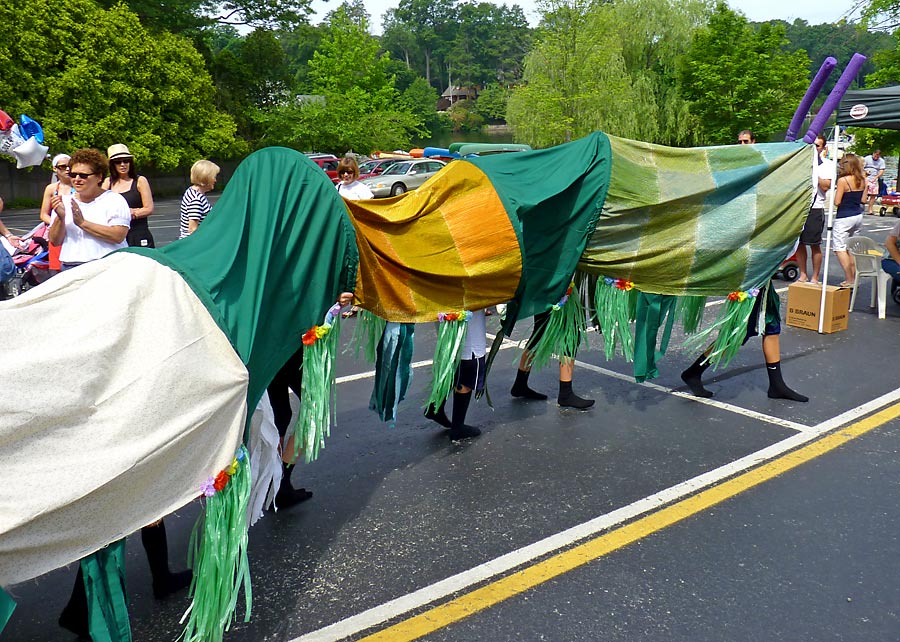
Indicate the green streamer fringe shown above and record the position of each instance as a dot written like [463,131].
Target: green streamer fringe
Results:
[615,309]
[564,333]
[366,335]
[314,421]
[451,336]
[393,369]
[218,556]
[731,326]
[689,311]
[7,606]
[104,585]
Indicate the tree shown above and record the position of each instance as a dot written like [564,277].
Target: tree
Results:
[420,99]
[359,108]
[576,80]
[111,82]
[738,78]
[432,23]
[190,16]
[491,103]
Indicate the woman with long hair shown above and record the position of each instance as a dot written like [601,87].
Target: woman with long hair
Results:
[848,197]
[124,179]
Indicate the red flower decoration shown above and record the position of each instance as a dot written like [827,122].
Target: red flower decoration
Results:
[221,481]
[734,296]
[451,316]
[569,291]
[309,337]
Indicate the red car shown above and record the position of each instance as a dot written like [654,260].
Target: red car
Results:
[375,167]
[328,162]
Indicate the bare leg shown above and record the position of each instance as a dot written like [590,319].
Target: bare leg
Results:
[816,251]
[801,259]
[847,264]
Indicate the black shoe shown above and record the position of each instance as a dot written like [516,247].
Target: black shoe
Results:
[288,496]
[463,432]
[173,583]
[520,389]
[438,416]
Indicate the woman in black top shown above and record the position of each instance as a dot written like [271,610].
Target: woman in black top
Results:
[124,179]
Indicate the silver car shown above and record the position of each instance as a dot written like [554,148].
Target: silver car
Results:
[403,176]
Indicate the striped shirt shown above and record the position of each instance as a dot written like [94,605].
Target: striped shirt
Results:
[194,207]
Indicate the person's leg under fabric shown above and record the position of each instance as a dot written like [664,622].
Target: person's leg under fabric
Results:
[469,376]
[290,377]
[771,346]
[165,582]
[438,415]
[566,397]
[520,388]
[891,267]
[694,373]
[74,616]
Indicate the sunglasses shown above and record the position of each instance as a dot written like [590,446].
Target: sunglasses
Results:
[124,161]
[345,172]
[81,175]
[59,167]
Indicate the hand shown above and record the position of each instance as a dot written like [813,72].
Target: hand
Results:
[346,298]
[77,216]
[15,241]
[56,203]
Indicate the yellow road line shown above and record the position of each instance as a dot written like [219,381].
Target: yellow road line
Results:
[535,575]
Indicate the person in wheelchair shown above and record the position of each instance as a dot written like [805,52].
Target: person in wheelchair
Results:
[890,263]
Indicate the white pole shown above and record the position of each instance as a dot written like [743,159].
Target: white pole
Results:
[829,218]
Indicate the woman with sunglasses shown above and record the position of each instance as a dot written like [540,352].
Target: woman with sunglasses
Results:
[124,179]
[348,184]
[93,222]
[61,184]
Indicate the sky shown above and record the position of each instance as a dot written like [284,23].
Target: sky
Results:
[813,11]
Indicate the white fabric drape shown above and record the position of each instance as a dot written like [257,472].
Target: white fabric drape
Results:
[120,397]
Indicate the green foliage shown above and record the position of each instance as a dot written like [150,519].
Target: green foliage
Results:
[464,116]
[840,40]
[738,78]
[93,77]
[887,62]
[359,108]
[880,14]
[491,103]
[578,78]
[188,17]
[420,99]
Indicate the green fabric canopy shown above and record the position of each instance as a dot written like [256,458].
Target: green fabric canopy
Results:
[269,260]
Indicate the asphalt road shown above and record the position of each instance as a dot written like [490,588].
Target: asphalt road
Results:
[636,520]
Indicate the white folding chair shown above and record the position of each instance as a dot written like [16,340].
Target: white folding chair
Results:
[867,254]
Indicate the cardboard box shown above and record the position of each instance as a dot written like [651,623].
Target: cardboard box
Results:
[803,303]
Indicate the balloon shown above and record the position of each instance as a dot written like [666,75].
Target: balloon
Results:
[5,121]
[30,127]
[10,139]
[31,152]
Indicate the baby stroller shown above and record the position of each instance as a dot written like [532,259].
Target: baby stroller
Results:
[32,263]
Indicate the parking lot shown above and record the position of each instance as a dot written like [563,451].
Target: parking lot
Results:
[654,515]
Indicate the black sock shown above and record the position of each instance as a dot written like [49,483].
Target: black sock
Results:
[438,415]
[569,399]
[156,546]
[74,616]
[692,377]
[458,428]
[520,387]
[777,388]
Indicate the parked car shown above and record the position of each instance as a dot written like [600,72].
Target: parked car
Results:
[375,167]
[328,162]
[403,176]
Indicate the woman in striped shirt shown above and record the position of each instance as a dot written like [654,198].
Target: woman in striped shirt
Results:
[194,204]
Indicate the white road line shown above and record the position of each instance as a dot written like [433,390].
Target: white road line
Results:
[505,563]
[778,421]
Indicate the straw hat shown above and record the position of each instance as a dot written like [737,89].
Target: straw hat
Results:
[118,151]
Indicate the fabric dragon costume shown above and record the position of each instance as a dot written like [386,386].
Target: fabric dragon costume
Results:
[149,359]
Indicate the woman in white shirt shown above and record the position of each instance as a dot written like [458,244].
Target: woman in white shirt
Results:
[349,185]
[93,222]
